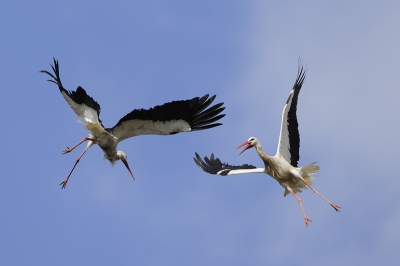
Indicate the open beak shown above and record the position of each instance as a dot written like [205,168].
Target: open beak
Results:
[247,147]
[127,167]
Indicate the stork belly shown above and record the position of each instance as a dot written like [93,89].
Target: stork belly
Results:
[106,141]
[107,144]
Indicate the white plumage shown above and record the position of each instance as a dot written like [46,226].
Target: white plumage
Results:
[283,166]
[167,119]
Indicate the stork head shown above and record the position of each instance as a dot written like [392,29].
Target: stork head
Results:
[251,142]
[121,155]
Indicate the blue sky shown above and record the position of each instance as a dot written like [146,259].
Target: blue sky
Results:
[137,54]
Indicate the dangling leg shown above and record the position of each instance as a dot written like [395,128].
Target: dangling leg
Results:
[301,205]
[64,183]
[71,149]
[336,207]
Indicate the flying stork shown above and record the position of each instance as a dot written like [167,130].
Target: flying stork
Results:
[167,119]
[283,166]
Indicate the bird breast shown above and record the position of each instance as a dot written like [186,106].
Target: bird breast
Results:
[106,141]
[283,172]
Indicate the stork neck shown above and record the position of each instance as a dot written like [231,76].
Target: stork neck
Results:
[266,158]
[260,151]
[271,166]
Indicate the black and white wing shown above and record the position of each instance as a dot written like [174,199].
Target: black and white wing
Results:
[169,118]
[82,104]
[289,138]
[216,167]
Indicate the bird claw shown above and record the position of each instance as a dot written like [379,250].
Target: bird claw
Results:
[68,150]
[64,183]
[307,220]
[336,207]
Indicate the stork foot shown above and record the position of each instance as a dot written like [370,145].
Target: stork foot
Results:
[307,220]
[64,183]
[336,207]
[68,150]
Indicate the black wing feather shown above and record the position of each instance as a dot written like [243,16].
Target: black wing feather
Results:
[79,96]
[214,165]
[188,110]
[210,112]
[201,104]
[293,125]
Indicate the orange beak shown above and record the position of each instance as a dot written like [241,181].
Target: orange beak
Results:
[249,145]
[127,167]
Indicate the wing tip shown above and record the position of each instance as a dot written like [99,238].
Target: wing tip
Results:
[301,72]
[214,165]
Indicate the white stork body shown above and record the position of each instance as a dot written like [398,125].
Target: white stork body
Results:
[167,119]
[283,166]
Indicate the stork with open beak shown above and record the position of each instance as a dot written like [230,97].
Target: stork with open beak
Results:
[283,166]
[167,119]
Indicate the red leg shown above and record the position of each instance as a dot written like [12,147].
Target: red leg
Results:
[71,149]
[64,183]
[336,207]
[301,205]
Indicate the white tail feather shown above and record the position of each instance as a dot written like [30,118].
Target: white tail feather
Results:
[306,173]
[308,170]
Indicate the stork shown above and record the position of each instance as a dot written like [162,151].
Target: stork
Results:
[167,119]
[283,166]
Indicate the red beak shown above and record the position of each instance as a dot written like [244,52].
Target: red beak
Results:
[127,167]
[249,145]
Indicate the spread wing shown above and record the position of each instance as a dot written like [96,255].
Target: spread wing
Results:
[289,138]
[214,166]
[82,104]
[170,118]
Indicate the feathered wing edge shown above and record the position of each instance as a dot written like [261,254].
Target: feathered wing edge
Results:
[199,118]
[214,166]
[289,134]
[78,97]
[193,112]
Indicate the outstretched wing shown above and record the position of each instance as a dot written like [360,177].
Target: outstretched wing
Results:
[82,104]
[216,167]
[289,138]
[169,118]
